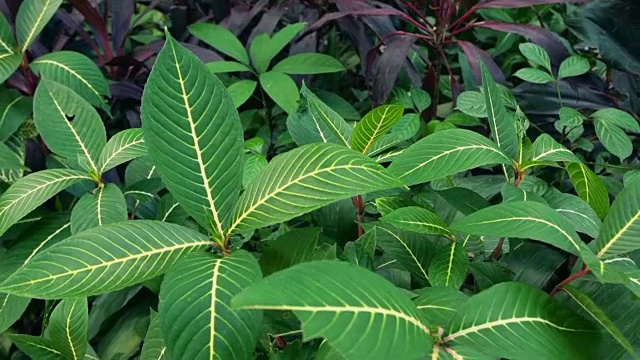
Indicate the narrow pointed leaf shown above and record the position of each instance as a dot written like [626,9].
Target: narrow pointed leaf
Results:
[153,347]
[106,206]
[375,124]
[282,89]
[445,153]
[545,148]
[124,146]
[32,191]
[37,347]
[220,39]
[305,179]
[75,71]
[9,63]
[503,127]
[417,219]
[448,267]
[194,135]
[620,231]
[515,320]
[589,187]
[383,322]
[69,125]
[308,63]
[195,314]
[104,259]
[227,67]
[32,17]
[68,327]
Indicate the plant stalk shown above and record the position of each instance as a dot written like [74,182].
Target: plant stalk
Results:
[584,271]
[358,203]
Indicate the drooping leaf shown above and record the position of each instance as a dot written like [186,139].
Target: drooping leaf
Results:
[32,191]
[545,148]
[124,146]
[445,153]
[32,17]
[306,179]
[195,314]
[282,89]
[576,211]
[375,124]
[620,231]
[575,65]
[417,219]
[69,125]
[516,320]
[535,76]
[220,39]
[9,63]
[36,347]
[241,91]
[67,328]
[15,109]
[503,127]
[194,136]
[11,309]
[383,321]
[104,259]
[610,125]
[448,267]
[308,63]
[103,207]
[154,347]
[439,304]
[589,187]
[75,71]
[536,55]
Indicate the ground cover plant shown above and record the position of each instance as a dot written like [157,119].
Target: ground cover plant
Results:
[264,180]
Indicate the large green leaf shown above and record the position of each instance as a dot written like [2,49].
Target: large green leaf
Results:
[375,124]
[32,191]
[7,41]
[104,259]
[68,326]
[32,17]
[220,39]
[103,207]
[589,187]
[516,320]
[282,89]
[620,231]
[449,266]
[69,125]
[194,136]
[124,146]
[11,309]
[439,304]
[195,314]
[9,63]
[15,109]
[417,219]
[362,316]
[76,71]
[503,127]
[305,179]
[445,153]
[154,347]
[576,211]
[308,63]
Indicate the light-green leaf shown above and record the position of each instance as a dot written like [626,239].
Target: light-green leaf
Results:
[536,55]
[305,179]
[545,148]
[32,191]
[104,259]
[589,187]
[226,67]
[9,63]
[375,124]
[448,267]
[535,76]
[282,89]
[220,39]
[575,65]
[417,219]
[472,103]
[309,63]
[32,17]
[75,71]
[516,320]
[620,231]
[264,49]
[240,91]
[195,314]
[69,125]
[445,153]
[194,136]
[382,321]
[68,327]
[503,126]
[105,206]
[124,146]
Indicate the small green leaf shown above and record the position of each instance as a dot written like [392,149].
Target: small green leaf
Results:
[124,146]
[264,49]
[617,118]
[619,232]
[536,55]
[448,267]
[217,67]
[570,123]
[68,326]
[9,63]
[417,219]
[220,39]
[610,125]
[545,148]
[282,89]
[308,63]
[589,187]
[105,206]
[575,65]
[32,17]
[241,91]
[472,103]
[254,164]
[15,109]
[535,76]
[375,124]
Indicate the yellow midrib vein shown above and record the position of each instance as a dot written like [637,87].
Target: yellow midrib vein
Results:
[212,317]
[505,322]
[68,69]
[67,330]
[615,238]
[375,133]
[29,38]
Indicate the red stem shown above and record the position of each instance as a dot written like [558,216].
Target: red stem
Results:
[359,205]
[464,17]
[419,13]
[495,254]
[584,271]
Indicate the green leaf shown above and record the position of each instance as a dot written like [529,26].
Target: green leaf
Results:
[472,103]
[195,314]
[153,347]
[309,63]
[522,219]
[15,109]
[217,67]
[615,117]
[36,347]
[382,321]
[620,230]
[105,206]
[575,65]
[124,146]
[448,267]
[439,304]
[535,76]
[281,89]
[291,248]
[536,55]
[32,17]
[32,191]
[68,326]
[9,63]
[613,138]
[589,187]
[75,71]
[241,91]
[515,320]
[417,219]
[69,125]
[220,39]
[305,179]
[263,49]
[570,123]
[254,164]
[464,200]
[104,259]
[375,124]
[445,153]
[503,127]
[595,312]
[194,136]
[11,309]
[576,211]
[545,148]
[7,41]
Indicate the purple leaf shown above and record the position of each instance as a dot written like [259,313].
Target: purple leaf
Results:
[267,23]
[122,12]
[475,55]
[389,65]
[365,12]
[241,16]
[548,40]
[126,90]
[522,3]
[205,55]
[94,19]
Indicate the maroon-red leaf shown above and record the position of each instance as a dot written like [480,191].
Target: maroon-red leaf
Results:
[388,66]
[522,3]
[474,55]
